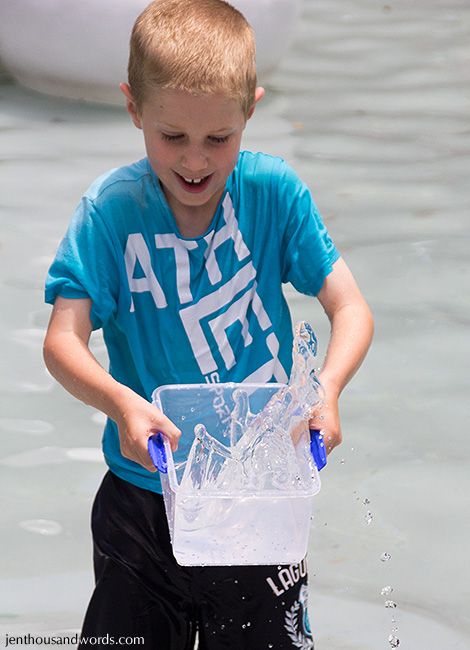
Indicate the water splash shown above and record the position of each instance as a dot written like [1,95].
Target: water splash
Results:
[386,591]
[385,557]
[240,415]
[394,641]
[264,453]
[368,517]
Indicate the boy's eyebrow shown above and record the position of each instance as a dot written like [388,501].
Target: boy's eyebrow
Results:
[172,127]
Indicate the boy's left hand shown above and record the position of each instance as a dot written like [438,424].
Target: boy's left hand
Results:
[326,419]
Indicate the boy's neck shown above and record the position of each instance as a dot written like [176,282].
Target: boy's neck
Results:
[193,225]
[193,221]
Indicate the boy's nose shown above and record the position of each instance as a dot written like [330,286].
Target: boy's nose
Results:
[194,160]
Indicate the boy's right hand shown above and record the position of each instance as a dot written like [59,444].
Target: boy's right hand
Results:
[138,421]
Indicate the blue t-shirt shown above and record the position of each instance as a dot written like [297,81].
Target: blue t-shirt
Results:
[178,310]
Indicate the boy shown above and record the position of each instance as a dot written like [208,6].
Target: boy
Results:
[180,259]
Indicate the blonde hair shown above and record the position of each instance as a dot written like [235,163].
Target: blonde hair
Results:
[199,46]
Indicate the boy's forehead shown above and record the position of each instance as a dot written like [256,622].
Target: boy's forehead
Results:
[175,106]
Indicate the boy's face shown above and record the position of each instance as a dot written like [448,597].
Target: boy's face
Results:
[192,143]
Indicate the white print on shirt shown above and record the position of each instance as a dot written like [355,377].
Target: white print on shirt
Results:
[136,250]
[236,296]
[219,404]
[180,248]
[214,240]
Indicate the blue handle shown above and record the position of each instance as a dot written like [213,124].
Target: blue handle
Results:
[317,447]
[157,453]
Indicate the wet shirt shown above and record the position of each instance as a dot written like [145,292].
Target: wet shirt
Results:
[208,309]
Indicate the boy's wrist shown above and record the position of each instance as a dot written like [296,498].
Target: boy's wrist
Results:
[120,400]
[331,386]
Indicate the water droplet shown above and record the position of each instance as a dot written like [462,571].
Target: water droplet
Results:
[385,557]
[394,641]
[390,604]
[386,591]
[270,645]
[369,516]
[342,461]
[243,626]
[366,501]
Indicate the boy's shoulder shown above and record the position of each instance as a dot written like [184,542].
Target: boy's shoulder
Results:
[256,162]
[265,169]
[119,182]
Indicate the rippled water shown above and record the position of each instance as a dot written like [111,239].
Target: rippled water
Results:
[372,107]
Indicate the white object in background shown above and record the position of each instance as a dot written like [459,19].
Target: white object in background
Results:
[79,49]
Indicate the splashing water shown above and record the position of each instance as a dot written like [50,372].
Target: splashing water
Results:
[394,641]
[386,591]
[385,557]
[264,452]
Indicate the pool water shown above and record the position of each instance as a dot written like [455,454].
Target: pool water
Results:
[372,108]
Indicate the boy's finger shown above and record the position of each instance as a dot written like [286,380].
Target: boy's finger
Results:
[172,432]
[165,426]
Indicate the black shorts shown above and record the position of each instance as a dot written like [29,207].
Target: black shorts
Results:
[141,591]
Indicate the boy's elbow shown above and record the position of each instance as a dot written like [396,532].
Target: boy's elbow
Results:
[51,351]
[47,351]
[369,324]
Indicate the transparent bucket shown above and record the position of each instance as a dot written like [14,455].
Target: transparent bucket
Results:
[235,524]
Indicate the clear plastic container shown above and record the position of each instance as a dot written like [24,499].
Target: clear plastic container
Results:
[235,524]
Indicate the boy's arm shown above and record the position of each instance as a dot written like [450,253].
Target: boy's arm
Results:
[351,334]
[69,360]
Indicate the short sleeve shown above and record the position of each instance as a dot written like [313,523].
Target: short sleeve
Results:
[85,265]
[307,251]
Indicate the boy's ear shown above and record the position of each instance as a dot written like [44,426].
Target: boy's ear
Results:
[131,105]
[259,94]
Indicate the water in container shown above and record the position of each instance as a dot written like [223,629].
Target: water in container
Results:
[239,488]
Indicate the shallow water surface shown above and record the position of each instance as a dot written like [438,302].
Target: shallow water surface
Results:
[372,107]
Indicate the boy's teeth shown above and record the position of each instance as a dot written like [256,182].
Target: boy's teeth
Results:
[193,181]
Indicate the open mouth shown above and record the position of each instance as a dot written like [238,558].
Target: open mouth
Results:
[194,184]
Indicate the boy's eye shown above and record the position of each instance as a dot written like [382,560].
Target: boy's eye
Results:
[218,140]
[179,136]
[172,138]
